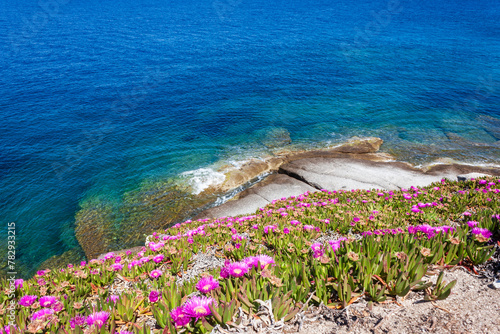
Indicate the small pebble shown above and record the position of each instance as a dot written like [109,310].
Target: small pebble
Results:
[496,284]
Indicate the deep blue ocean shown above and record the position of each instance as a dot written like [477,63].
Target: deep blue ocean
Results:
[104,103]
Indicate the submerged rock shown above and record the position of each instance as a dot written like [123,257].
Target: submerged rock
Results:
[94,228]
[276,137]
[360,145]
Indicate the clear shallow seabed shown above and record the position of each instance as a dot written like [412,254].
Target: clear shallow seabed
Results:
[107,107]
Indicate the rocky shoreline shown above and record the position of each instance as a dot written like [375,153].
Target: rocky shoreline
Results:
[354,165]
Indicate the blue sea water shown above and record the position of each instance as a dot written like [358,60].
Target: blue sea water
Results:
[102,100]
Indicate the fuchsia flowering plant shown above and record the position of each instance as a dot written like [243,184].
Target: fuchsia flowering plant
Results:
[330,243]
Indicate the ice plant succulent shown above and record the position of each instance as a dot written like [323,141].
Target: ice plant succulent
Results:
[27,300]
[179,317]
[236,269]
[154,296]
[207,284]
[42,314]
[198,307]
[79,320]
[155,273]
[98,319]
[47,301]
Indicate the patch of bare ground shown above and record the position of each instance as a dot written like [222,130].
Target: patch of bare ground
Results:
[472,307]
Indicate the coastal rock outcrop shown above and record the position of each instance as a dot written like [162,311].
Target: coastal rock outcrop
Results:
[248,172]
[273,187]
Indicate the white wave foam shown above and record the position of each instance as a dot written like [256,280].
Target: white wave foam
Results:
[201,179]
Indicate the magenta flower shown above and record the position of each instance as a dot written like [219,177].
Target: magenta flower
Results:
[79,320]
[40,272]
[134,263]
[179,318]
[198,307]
[286,230]
[308,227]
[47,301]
[224,273]
[154,296]
[265,260]
[295,222]
[42,314]
[270,227]
[28,300]
[237,269]
[472,223]
[207,284]
[18,283]
[113,298]
[117,266]
[251,261]
[8,328]
[155,273]
[482,231]
[158,258]
[98,319]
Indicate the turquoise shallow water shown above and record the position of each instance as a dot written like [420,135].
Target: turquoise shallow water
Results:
[103,104]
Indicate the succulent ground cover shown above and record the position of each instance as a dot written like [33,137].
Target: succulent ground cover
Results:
[324,248]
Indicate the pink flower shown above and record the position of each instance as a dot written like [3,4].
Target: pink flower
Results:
[482,231]
[18,283]
[198,307]
[270,227]
[237,269]
[113,298]
[158,258]
[109,256]
[472,223]
[207,284]
[179,318]
[42,314]
[154,296]
[47,301]
[117,267]
[155,273]
[77,321]
[28,300]
[98,319]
